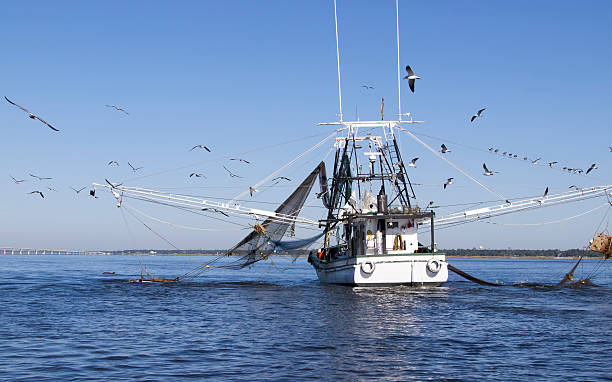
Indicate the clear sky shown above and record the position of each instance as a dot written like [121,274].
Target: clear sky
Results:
[246,76]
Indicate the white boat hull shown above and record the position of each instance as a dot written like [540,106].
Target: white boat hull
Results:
[404,269]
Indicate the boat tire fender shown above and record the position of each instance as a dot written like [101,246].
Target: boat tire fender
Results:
[368,267]
[434,266]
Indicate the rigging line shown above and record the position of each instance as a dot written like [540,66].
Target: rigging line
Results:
[399,88]
[338,59]
[218,159]
[180,225]
[545,223]
[453,165]
[286,165]
[151,229]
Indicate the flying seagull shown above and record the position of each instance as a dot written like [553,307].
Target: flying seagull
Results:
[550,164]
[281,178]
[33,116]
[37,192]
[93,193]
[487,171]
[215,210]
[117,108]
[113,162]
[252,190]
[448,182]
[197,175]
[504,153]
[525,158]
[490,148]
[535,161]
[200,147]
[17,181]
[478,114]
[241,160]
[413,162]
[110,184]
[52,189]
[134,168]
[231,173]
[367,87]
[593,167]
[40,177]
[610,147]
[411,77]
[444,149]
[496,150]
[79,190]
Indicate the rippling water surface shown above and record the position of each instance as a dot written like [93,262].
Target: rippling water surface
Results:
[61,319]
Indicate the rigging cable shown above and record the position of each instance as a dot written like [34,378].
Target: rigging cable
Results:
[151,229]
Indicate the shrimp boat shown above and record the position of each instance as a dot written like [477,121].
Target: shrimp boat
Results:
[374,240]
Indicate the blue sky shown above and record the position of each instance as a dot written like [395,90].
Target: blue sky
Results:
[240,76]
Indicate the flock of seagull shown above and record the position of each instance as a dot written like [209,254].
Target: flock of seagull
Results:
[550,164]
[115,163]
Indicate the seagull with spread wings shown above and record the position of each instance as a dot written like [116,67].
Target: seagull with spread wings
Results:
[241,160]
[40,177]
[197,175]
[413,162]
[113,162]
[448,182]
[367,87]
[487,171]
[279,178]
[37,192]
[17,181]
[117,108]
[32,116]
[591,168]
[444,149]
[478,114]
[200,147]
[231,174]
[411,77]
[135,168]
[79,190]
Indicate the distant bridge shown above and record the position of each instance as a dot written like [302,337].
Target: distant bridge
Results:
[35,251]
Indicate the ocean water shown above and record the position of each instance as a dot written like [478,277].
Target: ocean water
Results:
[62,319]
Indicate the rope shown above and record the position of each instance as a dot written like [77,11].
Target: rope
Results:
[338,59]
[453,165]
[151,229]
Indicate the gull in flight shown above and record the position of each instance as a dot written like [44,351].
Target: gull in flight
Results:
[550,164]
[610,147]
[241,160]
[448,182]
[413,162]
[117,108]
[79,190]
[525,158]
[231,174]
[33,116]
[215,210]
[52,189]
[281,178]
[411,77]
[40,177]
[134,168]
[478,114]
[496,150]
[444,149]
[197,175]
[535,161]
[593,167]
[367,87]
[93,193]
[252,190]
[487,171]
[113,162]
[17,181]
[490,148]
[110,184]
[200,147]
[504,153]
[37,192]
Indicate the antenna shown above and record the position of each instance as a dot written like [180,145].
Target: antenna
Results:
[399,88]
[338,58]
